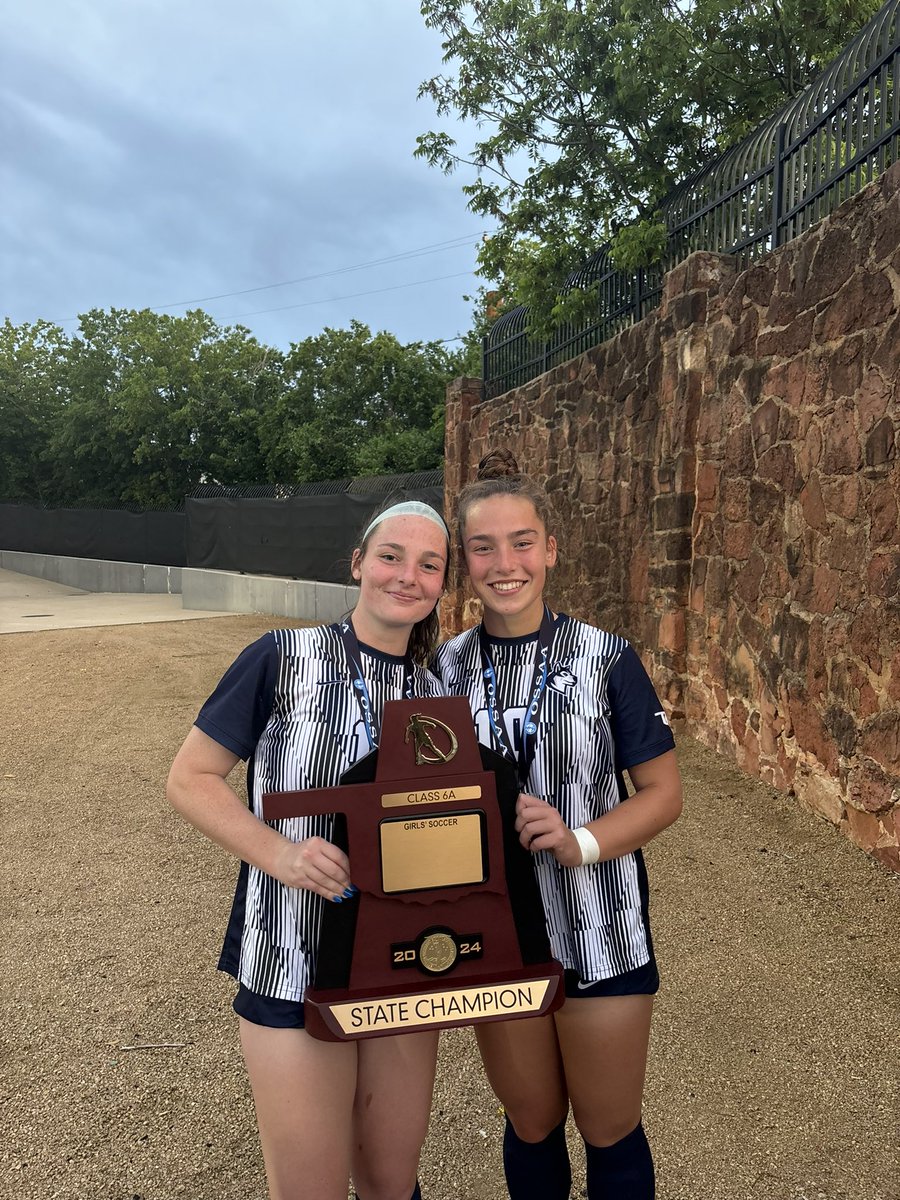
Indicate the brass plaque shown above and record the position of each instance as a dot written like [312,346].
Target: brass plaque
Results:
[438,795]
[431,852]
[462,1005]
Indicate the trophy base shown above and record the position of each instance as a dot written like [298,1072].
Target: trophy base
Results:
[338,1016]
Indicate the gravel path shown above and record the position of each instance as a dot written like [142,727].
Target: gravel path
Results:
[776,1046]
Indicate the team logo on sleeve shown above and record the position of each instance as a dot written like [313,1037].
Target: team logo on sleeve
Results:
[662,716]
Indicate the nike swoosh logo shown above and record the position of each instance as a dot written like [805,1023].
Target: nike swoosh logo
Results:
[581,985]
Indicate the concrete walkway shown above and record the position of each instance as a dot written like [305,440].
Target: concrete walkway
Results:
[28,604]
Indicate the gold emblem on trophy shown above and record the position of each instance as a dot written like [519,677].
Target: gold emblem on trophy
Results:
[420,729]
[438,952]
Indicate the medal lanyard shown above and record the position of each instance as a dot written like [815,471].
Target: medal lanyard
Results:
[360,690]
[525,757]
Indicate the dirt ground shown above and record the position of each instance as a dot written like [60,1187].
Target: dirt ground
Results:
[776,1046]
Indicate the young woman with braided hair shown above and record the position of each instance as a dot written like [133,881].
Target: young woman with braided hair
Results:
[573,707]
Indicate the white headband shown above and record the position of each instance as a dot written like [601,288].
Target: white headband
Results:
[409,508]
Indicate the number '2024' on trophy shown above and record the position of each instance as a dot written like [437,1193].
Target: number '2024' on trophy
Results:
[448,927]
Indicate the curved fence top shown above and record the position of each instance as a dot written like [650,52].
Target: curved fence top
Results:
[818,149]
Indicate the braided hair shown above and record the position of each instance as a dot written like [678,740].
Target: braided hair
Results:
[499,475]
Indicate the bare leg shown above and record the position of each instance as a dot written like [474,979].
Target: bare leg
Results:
[604,1047]
[303,1090]
[390,1113]
[523,1065]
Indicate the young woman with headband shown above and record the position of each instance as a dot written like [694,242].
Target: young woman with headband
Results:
[302,705]
[573,708]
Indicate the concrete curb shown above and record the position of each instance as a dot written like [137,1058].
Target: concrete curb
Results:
[203,590]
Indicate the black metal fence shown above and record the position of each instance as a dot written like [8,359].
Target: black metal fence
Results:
[306,531]
[816,151]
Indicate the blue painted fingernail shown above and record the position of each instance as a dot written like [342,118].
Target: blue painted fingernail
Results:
[349,893]
[337,899]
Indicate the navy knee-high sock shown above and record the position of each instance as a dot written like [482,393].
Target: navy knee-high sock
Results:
[417,1194]
[623,1171]
[537,1170]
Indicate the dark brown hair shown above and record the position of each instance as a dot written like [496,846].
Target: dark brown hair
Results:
[423,637]
[499,475]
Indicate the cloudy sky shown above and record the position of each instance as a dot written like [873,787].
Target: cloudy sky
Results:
[160,153]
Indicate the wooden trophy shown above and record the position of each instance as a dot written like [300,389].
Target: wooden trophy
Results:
[448,927]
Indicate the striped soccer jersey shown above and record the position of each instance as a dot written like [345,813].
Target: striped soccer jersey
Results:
[599,716]
[288,705]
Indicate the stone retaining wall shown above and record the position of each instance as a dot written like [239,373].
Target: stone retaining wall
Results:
[727,485]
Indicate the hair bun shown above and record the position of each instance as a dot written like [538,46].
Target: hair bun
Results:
[497,465]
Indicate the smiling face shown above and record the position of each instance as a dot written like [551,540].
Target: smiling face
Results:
[401,573]
[508,553]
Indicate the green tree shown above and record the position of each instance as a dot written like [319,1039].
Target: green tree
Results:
[589,112]
[32,394]
[355,403]
[158,404]
[139,408]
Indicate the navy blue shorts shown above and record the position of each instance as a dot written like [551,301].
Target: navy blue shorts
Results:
[265,1010]
[642,981]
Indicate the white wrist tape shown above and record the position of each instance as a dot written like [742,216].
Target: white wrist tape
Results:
[588,844]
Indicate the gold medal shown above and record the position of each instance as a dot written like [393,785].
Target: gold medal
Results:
[438,952]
